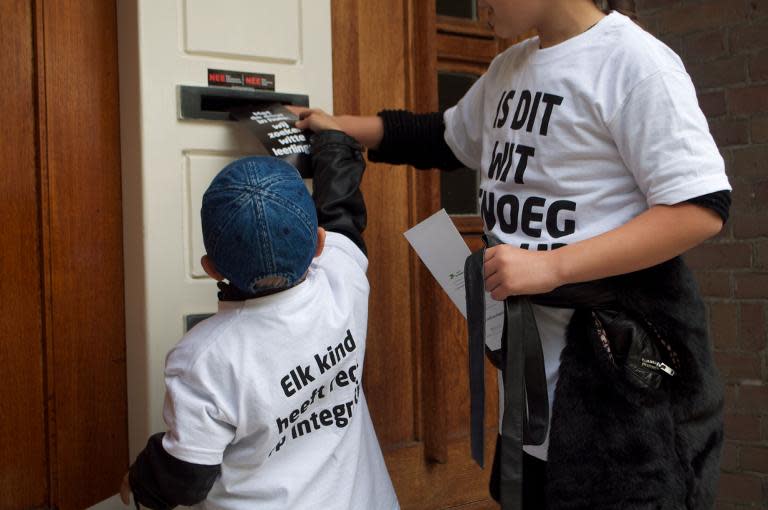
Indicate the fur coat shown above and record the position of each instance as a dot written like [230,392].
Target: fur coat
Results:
[613,446]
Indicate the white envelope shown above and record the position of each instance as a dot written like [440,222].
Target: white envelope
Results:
[439,245]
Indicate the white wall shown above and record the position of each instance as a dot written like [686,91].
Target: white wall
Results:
[168,163]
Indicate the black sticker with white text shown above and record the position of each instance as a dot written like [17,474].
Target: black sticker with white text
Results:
[273,125]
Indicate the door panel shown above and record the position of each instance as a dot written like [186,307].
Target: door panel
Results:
[168,163]
[390,381]
[23,474]
[84,252]
[63,439]
[244,29]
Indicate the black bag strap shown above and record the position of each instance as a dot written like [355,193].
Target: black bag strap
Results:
[536,401]
[526,403]
[474,285]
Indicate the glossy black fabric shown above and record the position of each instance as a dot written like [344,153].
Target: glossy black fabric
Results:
[338,167]
[534,399]
[475,299]
[160,481]
[513,416]
[534,481]
[525,417]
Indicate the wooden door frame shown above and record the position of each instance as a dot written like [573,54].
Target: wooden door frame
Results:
[79,219]
[23,424]
[420,85]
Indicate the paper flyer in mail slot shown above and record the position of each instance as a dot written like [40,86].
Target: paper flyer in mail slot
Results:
[273,125]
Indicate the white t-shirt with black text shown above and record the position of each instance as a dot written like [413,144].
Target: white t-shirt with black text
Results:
[577,139]
[271,389]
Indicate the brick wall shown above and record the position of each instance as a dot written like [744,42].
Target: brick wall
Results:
[724,44]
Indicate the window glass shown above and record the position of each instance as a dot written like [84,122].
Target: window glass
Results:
[457,8]
[459,188]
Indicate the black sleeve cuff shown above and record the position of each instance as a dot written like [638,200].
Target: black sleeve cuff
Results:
[160,481]
[719,202]
[415,139]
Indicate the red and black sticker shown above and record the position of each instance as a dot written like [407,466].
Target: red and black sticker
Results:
[238,79]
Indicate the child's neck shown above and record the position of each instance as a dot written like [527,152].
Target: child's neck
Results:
[569,19]
[228,292]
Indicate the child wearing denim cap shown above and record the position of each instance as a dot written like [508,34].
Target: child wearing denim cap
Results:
[264,400]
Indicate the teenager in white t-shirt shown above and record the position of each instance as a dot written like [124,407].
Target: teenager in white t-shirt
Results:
[264,401]
[595,160]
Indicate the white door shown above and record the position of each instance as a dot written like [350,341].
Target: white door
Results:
[167,163]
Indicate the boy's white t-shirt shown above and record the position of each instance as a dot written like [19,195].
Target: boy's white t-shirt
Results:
[271,389]
[577,139]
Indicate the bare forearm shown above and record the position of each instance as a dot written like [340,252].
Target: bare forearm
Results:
[657,235]
[368,131]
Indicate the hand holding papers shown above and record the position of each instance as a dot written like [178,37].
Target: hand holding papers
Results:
[440,246]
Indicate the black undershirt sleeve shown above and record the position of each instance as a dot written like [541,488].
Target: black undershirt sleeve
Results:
[719,202]
[414,139]
[160,481]
[417,139]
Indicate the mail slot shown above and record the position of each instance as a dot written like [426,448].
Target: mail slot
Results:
[216,103]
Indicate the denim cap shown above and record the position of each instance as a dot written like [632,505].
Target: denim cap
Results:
[259,223]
